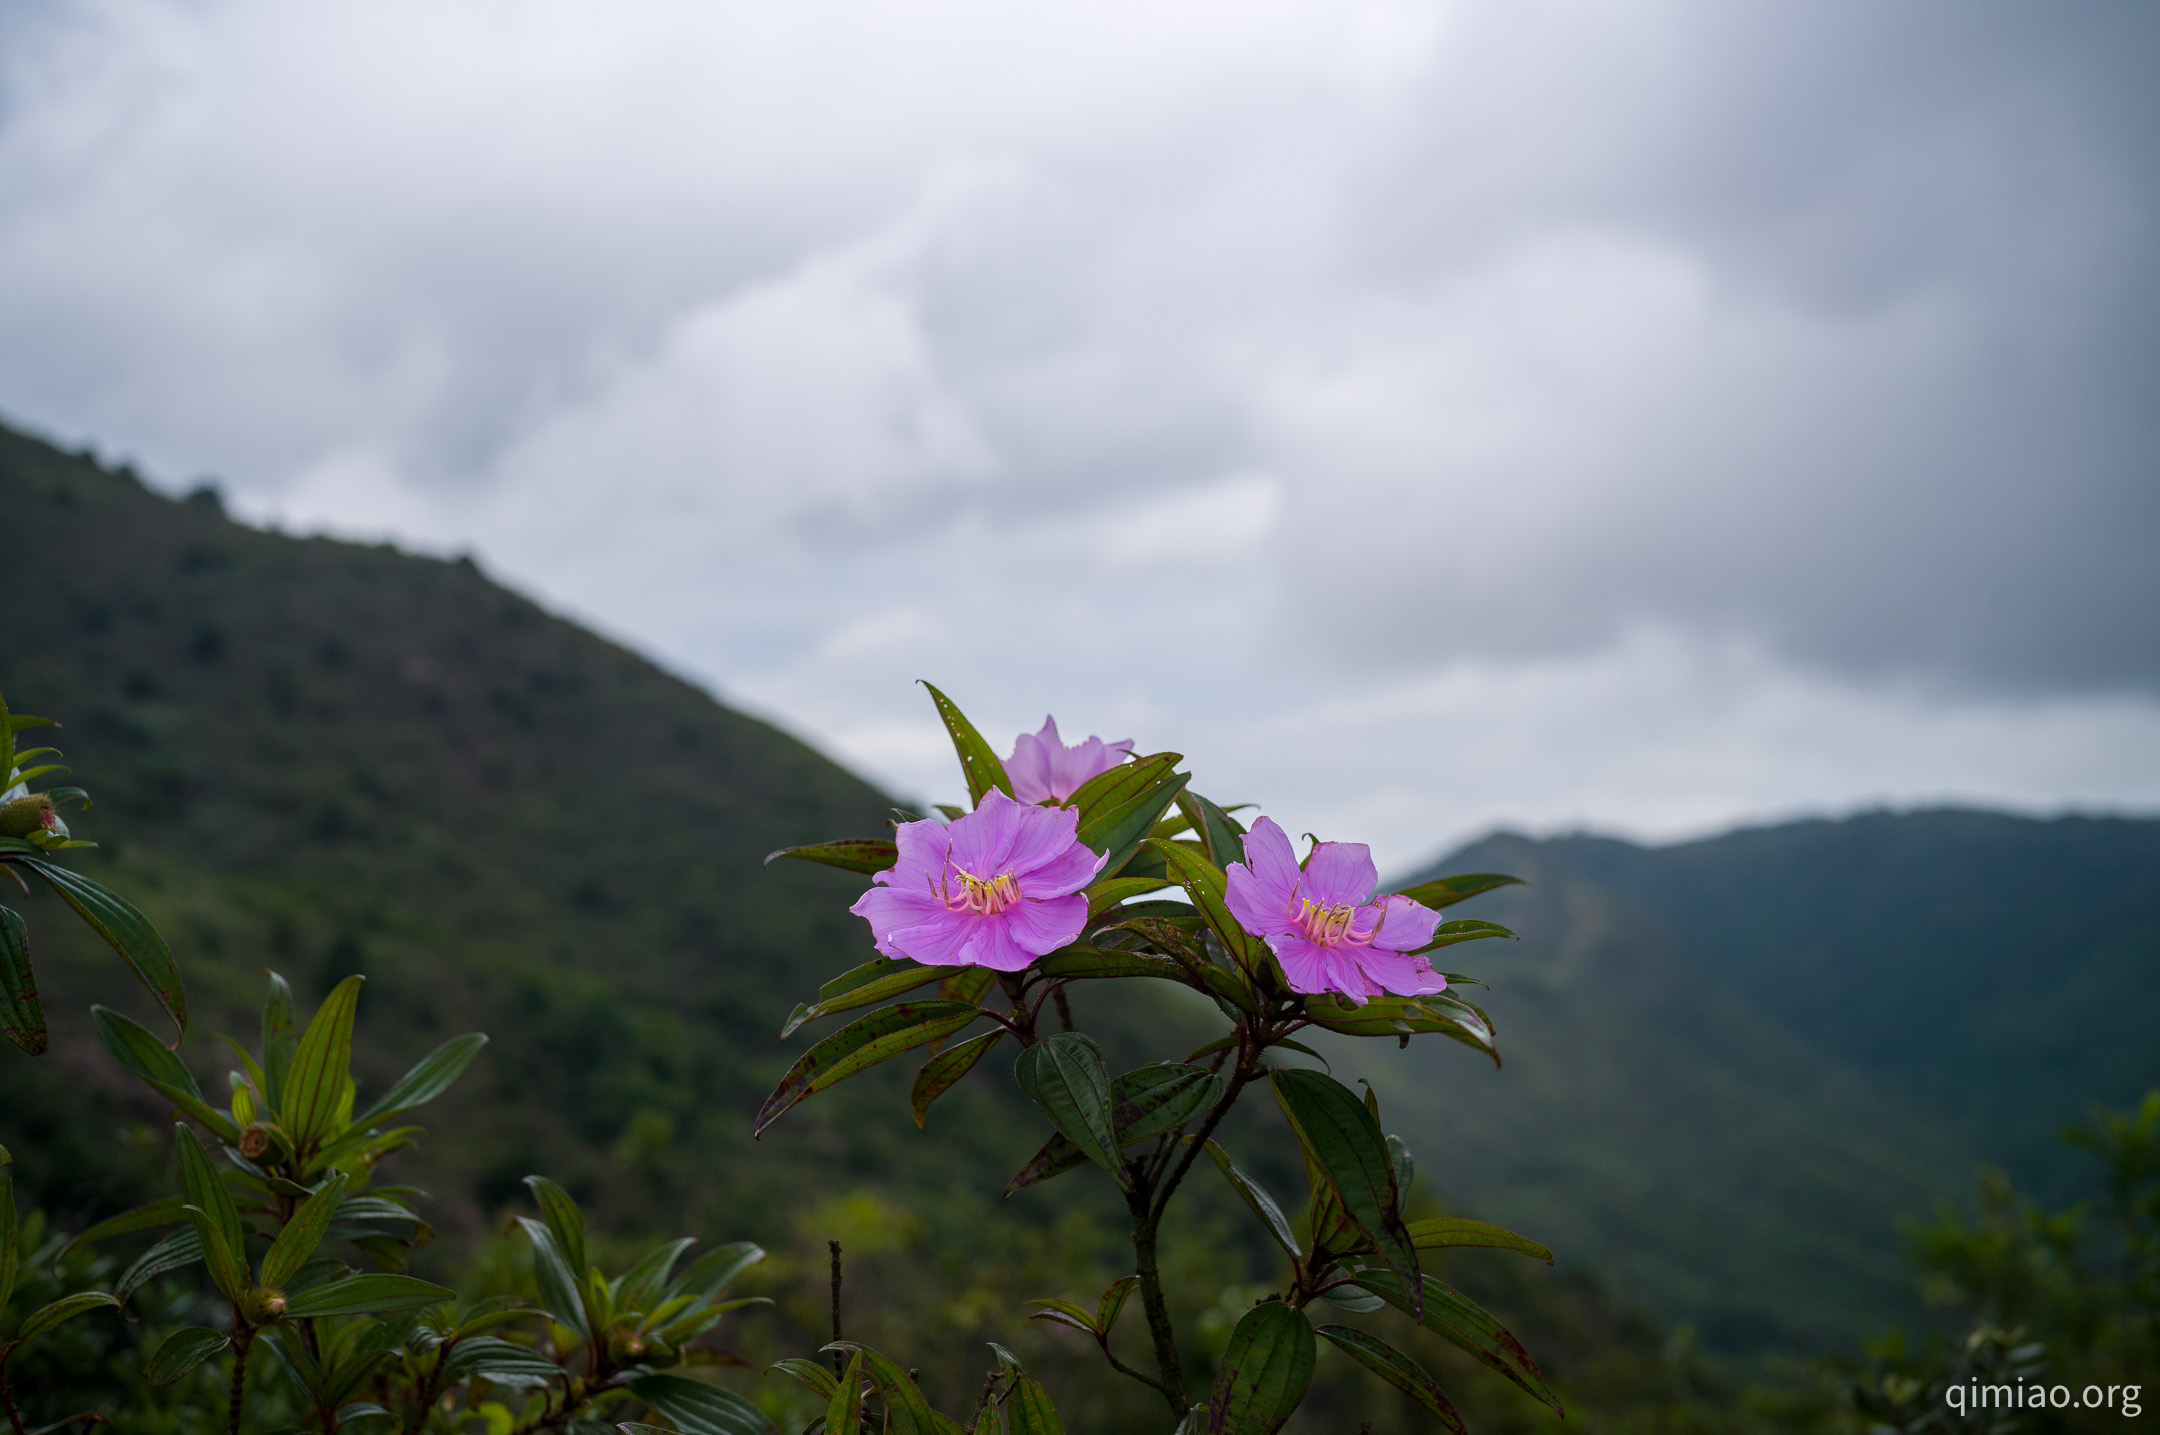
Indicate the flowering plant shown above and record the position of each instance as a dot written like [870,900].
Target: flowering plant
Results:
[1048,879]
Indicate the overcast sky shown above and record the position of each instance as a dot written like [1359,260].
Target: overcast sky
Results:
[1427,416]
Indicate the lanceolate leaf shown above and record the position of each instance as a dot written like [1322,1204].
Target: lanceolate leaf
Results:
[643,1281]
[843,1413]
[366,1295]
[564,1220]
[1398,1370]
[302,1234]
[552,1276]
[1406,1016]
[1203,882]
[180,1249]
[700,1409]
[280,1034]
[886,977]
[1341,1138]
[315,1086]
[227,1269]
[1264,1373]
[709,1274]
[182,1351]
[1449,934]
[64,1309]
[978,760]
[941,1072]
[1257,1200]
[862,1044]
[1143,1103]
[1106,894]
[905,1406]
[146,1056]
[1117,829]
[1217,830]
[809,1372]
[1064,1075]
[971,986]
[1081,963]
[1028,1410]
[430,1077]
[1443,1231]
[22,1020]
[849,854]
[126,930]
[207,1193]
[1453,1315]
[1447,891]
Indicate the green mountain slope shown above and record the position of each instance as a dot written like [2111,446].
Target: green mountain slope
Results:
[1734,1063]
[1731,1065]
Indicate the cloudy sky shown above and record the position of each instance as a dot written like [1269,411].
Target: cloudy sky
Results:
[1427,415]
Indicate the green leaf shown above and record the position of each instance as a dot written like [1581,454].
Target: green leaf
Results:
[1447,891]
[1064,1075]
[809,1372]
[843,1413]
[1144,1102]
[1405,1016]
[321,1066]
[1218,832]
[502,1363]
[1341,1139]
[429,1078]
[1112,1303]
[564,1220]
[1444,1231]
[125,930]
[698,1408]
[1117,830]
[971,986]
[1398,1370]
[941,1072]
[64,1309]
[978,760]
[207,1193]
[849,854]
[1264,1373]
[182,1351]
[1083,963]
[1029,1411]
[1106,894]
[903,1398]
[1454,1316]
[278,1040]
[709,1274]
[1204,882]
[10,1238]
[1065,1312]
[181,1249]
[638,1285]
[302,1234]
[1257,1200]
[862,1044]
[1115,787]
[552,1277]
[1449,934]
[366,1295]
[22,1020]
[146,1056]
[228,1269]
[867,985]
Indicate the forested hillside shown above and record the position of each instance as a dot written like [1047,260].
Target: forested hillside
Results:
[1731,1065]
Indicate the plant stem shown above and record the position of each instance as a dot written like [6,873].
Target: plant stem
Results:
[1146,1219]
[839,1358]
[243,1341]
[7,1391]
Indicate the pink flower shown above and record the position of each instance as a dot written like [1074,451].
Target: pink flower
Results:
[1322,923]
[1044,769]
[998,888]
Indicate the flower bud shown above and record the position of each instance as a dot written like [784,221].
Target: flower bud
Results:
[254,1141]
[26,815]
[625,1348]
[264,1306]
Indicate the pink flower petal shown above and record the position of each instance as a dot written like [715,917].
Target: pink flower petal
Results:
[1043,927]
[1340,874]
[1403,925]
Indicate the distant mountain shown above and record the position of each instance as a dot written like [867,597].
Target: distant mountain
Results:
[1730,1065]
[1733,1063]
